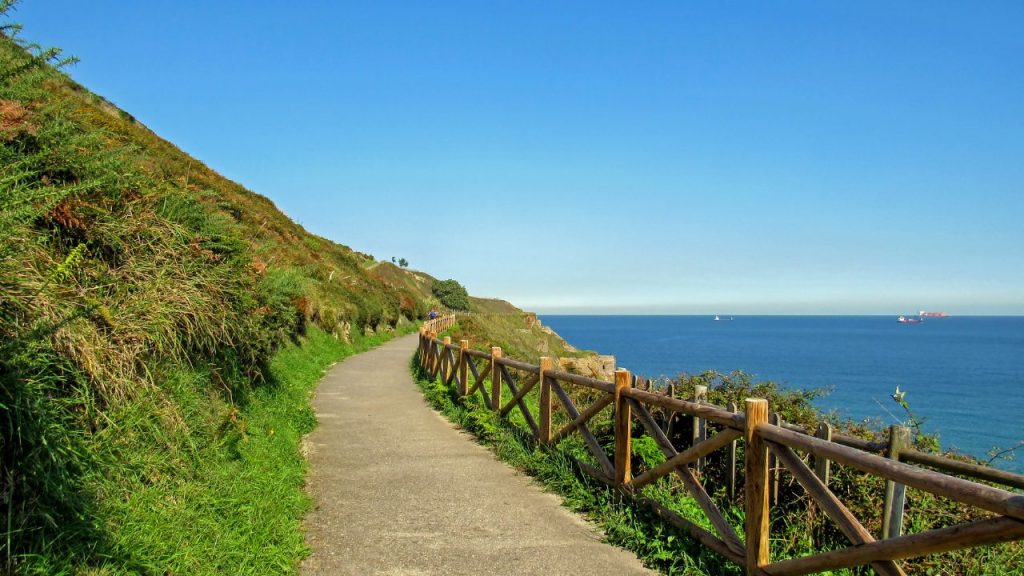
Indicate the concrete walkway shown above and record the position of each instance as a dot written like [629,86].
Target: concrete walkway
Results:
[399,491]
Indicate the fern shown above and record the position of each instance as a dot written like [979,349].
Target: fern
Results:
[63,272]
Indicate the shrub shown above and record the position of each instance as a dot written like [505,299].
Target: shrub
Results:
[451,294]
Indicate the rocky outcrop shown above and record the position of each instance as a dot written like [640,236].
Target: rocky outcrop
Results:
[598,366]
[568,347]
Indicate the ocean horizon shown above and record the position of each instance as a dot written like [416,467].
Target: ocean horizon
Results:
[738,314]
[963,375]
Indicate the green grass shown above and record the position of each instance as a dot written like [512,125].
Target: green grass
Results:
[517,335]
[188,483]
[145,305]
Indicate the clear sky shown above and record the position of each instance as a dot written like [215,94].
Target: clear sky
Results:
[647,157]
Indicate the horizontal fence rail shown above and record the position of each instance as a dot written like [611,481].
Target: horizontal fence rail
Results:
[770,446]
[439,324]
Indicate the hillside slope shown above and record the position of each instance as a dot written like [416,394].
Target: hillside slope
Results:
[419,285]
[148,420]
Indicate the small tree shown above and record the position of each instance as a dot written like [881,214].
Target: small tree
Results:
[403,262]
[451,294]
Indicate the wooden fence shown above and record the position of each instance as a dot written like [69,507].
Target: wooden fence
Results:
[770,445]
[439,324]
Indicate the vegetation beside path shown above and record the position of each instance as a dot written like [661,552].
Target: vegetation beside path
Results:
[151,386]
[658,546]
[796,529]
[219,492]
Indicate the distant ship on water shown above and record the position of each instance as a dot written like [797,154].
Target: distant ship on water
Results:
[920,317]
[722,318]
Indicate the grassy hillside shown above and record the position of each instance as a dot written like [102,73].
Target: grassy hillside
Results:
[419,284]
[160,330]
[519,335]
[492,306]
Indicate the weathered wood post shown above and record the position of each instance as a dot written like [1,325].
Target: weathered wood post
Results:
[700,431]
[822,466]
[426,350]
[670,416]
[446,367]
[495,378]
[433,354]
[419,348]
[425,356]
[773,465]
[463,366]
[732,460]
[895,494]
[544,426]
[623,428]
[756,486]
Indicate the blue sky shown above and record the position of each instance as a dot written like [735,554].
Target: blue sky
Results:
[662,157]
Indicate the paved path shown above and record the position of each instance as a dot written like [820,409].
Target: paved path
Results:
[399,491]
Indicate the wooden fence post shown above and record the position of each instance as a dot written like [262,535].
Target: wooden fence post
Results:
[756,487]
[495,379]
[822,466]
[895,493]
[700,431]
[463,366]
[670,416]
[446,367]
[544,432]
[623,428]
[424,354]
[773,465]
[419,349]
[433,356]
[732,460]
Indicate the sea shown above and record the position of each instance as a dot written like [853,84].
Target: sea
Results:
[964,375]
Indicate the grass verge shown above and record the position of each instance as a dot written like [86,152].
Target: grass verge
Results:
[218,490]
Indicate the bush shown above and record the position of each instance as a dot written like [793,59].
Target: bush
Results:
[451,294]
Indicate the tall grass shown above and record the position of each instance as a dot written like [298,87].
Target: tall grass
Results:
[147,418]
[187,482]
